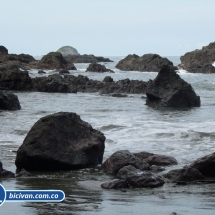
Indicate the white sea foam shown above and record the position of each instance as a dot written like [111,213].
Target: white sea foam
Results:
[213,64]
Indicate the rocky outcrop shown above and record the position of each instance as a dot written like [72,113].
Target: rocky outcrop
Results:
[156,159]
[169,90]
[95,67]
[136,178]
[61,141]
[205,165]
[86,59]
[146,63]
[120,159]
[53,60]
[9,101]
[5,173]
[199,61]
[68,50]
[15,80]
[186,174]
[53,84]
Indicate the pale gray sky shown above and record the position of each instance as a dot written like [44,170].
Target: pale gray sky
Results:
[107,27]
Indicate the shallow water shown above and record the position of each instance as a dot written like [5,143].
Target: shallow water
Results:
[127,123]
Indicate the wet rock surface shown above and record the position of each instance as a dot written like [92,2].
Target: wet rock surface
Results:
[186,174]
[146,63]
[9,101]
[199,61]
[205,165]
[169,90]
[95,67]
[61,141]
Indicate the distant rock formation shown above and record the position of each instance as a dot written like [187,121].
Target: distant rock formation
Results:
[169,90]
[95,67]
[68,50]
[146,63]
[86,59]
[199,61]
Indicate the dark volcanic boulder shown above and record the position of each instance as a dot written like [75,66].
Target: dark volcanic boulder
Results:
[186,174]
[138,178]
[53,60]
[61,141]
[146,63]
[199,61]
[9,101]
[169,90]
[120,159]
[53,84]
[3,50]
[156,159]
[85,59]
[205,165]
[5,173]
[95,67]
[108,79]
[115,184]
[15,80]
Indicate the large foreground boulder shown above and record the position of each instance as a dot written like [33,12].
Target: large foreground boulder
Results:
[205,165]
[95,67]
[9,101]
[53,60]
[169,90]
[61,141]
[146,63]
[199,61]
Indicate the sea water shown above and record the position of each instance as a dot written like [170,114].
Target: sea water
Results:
[127,123]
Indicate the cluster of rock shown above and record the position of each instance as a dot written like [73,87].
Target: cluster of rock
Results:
[86,59]
[135,170]
[95,67]
[199,61]
[61,141]
[169,90]
[146,63]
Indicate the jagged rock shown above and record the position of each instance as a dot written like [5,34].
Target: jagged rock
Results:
[53,60]
[61,141]
[15,80]
[86,59]
[52,84]
[115,184]
[205,165]
[146,63]
[186,174]
[199,61]
[169,90]
[137,178]
[156,159]
[9,101]
[95,67]
[120,159]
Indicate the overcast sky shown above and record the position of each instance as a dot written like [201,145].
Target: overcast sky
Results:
[107,27]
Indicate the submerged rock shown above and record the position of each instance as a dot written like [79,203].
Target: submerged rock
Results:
[146,63]
[169,90]
[199,61]
[205,165]
[23,174]
[115,184]
[95,67]
[137,178]
[186,174]
[9,101]
[61,141]
[120,159]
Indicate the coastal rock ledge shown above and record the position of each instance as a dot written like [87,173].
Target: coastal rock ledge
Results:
[61,141]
